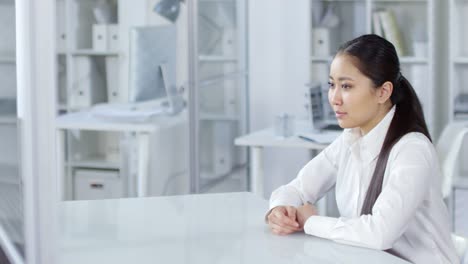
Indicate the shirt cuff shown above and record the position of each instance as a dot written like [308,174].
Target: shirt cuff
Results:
[320,226]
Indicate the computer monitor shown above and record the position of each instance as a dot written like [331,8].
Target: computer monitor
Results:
[321,118]
[152,68]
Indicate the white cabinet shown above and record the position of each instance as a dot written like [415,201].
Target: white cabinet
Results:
[97,184]
[334,22]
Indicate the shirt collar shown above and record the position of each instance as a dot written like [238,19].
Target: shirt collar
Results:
[368,147]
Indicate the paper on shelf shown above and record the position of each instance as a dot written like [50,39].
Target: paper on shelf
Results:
[391,31]
[325,137]
[376,24]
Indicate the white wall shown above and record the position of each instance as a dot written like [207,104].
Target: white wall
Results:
[279,67]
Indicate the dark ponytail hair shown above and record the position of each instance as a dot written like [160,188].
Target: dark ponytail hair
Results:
[377,59]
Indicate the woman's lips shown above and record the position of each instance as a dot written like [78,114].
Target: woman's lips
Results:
[340,114]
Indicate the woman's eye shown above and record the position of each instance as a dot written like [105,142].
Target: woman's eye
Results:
[346,86]
[331,85]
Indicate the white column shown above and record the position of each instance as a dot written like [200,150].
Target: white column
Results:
[36,82]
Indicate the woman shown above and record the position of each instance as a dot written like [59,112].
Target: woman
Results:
[383,166]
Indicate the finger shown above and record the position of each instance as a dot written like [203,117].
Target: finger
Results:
[279,217]
[276,212]
[282,229]
[280,224]
[291,213]
[273,213]
[284,220]
[283,217]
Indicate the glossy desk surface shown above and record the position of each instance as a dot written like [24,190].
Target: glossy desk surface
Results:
[207,228]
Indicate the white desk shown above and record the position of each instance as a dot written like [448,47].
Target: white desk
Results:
[84,120]
[192,229]
[266,138]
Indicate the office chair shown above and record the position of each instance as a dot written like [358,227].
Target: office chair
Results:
[448,149]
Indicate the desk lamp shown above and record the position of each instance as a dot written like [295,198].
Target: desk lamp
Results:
[168,9]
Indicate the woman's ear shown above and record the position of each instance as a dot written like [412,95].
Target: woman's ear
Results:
[385,92]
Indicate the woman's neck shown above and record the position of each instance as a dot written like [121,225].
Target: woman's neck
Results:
[381,113]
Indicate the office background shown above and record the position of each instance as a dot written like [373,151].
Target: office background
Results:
[273,42]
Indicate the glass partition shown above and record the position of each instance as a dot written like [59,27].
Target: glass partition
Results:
[11,197]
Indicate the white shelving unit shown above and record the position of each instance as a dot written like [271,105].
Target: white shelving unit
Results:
[222,77]
[88,74]
[458,59]
[415,22]
[458,72]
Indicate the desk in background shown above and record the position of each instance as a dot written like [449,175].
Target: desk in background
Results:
[256,141]
[266,138]
[190,229]
[84,120]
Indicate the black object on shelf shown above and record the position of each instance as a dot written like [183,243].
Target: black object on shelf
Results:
[7,106]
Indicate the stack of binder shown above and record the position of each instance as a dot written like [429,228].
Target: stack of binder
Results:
[385,25]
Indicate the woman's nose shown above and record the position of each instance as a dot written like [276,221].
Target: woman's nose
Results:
[334,97]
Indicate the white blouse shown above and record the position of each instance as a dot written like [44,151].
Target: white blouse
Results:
[409,217]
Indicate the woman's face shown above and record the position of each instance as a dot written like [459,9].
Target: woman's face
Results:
[352,96]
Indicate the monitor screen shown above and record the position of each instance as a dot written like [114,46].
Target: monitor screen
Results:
[152,62]
[321,113]
[316,104]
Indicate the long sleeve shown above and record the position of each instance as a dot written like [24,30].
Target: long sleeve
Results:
[316,178]
[406,184]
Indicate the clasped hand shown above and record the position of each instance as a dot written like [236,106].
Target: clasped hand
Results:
[284,220]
